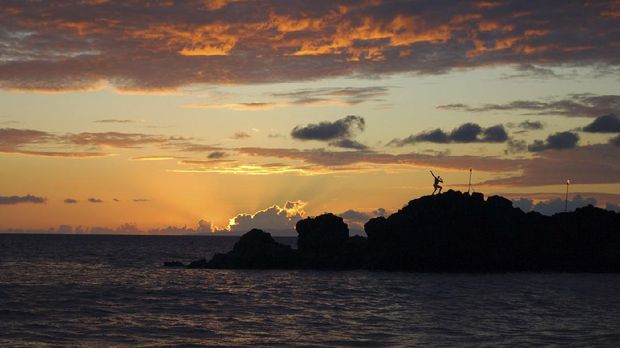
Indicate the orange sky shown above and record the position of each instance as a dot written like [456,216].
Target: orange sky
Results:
[170,113]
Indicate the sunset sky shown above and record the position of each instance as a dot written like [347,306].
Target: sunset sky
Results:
[165,113]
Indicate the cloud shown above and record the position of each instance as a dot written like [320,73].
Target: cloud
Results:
[154,158]
[556,141]
[241,135]
[590,164]
[343,128]
[465,133]
[531,125]
[95,200]
[333,95]
[337,160]
[216,155]
[272,218]
[613,207]
[515,146]
[113,120]
[12,200]
[344,96]
[70,201]
[252,106]
[615,140]
[356,219]
[553,206]
[573,105]
[40,143]
[348,144]
[115,139]
[609,123]
[140,200]
[530,71]
[54,47]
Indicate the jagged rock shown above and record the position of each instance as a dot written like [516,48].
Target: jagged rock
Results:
[202,263]
[450,232]
[321,240]
[174,264]
[256,249]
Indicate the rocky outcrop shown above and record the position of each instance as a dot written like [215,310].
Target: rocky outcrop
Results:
[451,232]
[254,250]
[321,240]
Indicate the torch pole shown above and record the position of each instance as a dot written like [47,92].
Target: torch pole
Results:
[566,198]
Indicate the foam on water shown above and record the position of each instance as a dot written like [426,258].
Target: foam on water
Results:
[111,290]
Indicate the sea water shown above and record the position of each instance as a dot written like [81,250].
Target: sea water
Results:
[82,290]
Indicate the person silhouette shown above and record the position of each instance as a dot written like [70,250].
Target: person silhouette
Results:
[436,185]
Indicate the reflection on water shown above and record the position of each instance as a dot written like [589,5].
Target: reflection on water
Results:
[104,290]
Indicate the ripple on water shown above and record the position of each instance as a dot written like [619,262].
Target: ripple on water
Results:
[98,299]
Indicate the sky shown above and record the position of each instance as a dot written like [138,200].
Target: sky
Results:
[223,115]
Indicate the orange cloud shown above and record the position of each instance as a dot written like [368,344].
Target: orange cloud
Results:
[173,44]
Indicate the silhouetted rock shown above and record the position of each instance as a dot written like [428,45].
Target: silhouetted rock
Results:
[450,232]
[173,264]
[255,249]
[460,232]
[321,240]
[202,263]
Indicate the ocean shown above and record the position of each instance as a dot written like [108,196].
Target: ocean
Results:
[95,290]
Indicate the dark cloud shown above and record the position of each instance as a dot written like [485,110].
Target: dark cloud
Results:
[465,133]
[615,140]
[343,128]
[574,105]
[95,200]
[530,71]
[531,125]
[556,141]
[216,155]
[141,200]
[515,146]
[12,200]
[348,144]
[553,206]
[609,123]
[494,134]
[81,45]
[70,201]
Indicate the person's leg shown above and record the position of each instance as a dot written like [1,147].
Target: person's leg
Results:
[440,187]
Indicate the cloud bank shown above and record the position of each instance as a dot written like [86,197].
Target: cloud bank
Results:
[12,200]
[465,133]
[55,46]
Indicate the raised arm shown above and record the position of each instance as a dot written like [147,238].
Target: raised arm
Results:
[433,174]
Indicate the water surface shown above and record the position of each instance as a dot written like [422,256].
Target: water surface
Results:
[112,291]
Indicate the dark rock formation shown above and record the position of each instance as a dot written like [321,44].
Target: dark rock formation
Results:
[458,232]
[321,240]
[254,250]
[176,264]
[451,232]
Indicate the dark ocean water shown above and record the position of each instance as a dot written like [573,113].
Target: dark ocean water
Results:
[112,291]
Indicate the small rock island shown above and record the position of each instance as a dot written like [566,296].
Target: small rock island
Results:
[450,232]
